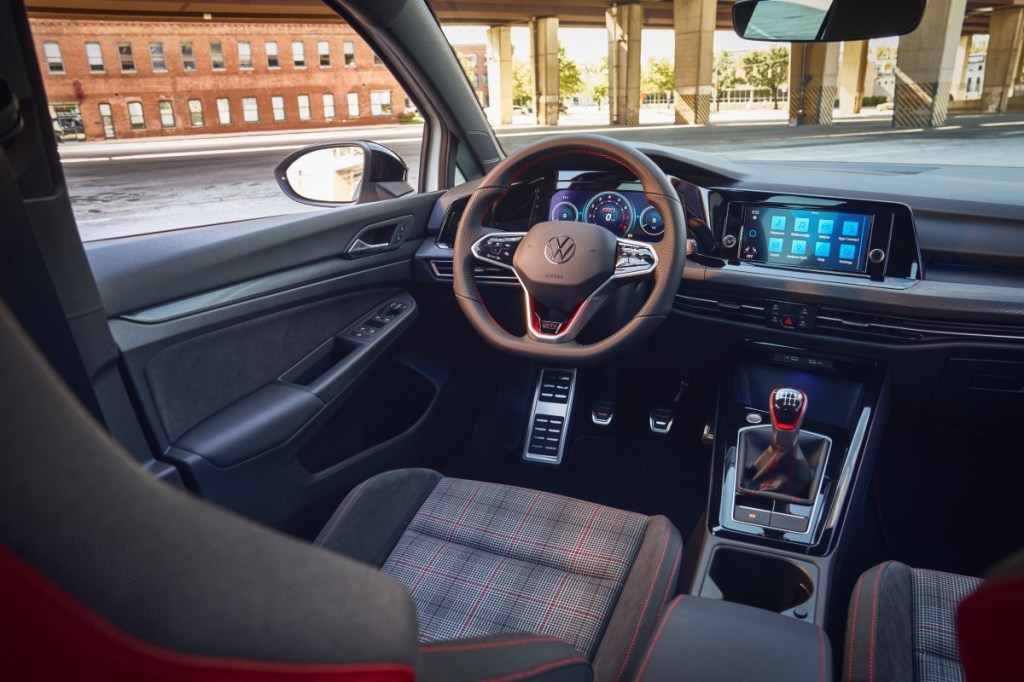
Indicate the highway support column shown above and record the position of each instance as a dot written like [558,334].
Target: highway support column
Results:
[958,90]
[813,75]
[1003,63]
[852,77]
[499,75]
[544,45]
[694,23]
[624,23]
[925,66]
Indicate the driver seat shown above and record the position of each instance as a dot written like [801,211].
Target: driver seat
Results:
[108,573]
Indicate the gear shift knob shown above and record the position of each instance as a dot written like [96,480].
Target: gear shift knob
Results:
[787,409]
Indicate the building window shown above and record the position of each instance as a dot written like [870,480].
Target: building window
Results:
[328,106]
[323,50]
[166,113]
[304,112]
[298,55]
[380,102]
[376,60]
[54,60]
[94,55]
[244,55]
[188,57]
[250,110]
[273,59]
[135,117]
[224,110]
[156,57]
[349,48]
[107,119]
[217,62]
[353,104]
[195,113]
[124,54]
[277,104]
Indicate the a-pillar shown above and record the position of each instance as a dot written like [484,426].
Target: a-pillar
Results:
[544,45]
[625,23]
[813,72]
[499,75]
[958,90]
[852,76]
[694,22]
[1003,63]
[925,65]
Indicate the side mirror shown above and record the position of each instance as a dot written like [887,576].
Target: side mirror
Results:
[340,173]
[824,21]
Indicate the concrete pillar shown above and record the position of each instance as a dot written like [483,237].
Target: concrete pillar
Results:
[694,23]
[1003,63]
[813,74]
[624,26]
[853,76]
[544,48]
[924,66]
[960,66]
[499,75]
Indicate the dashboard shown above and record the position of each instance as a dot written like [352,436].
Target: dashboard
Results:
[621,209]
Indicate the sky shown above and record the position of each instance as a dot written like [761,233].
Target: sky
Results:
[588,45]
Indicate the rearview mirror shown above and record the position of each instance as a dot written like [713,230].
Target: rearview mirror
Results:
[823,21]
[343,173]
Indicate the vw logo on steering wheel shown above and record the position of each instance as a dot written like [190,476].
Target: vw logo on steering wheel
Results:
[560,249]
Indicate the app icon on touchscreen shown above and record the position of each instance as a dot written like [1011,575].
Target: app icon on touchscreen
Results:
[851,228]
[822,249]
[801,224]
[825,226]
[778,222]
[799,247]
[775,245]
[847,251]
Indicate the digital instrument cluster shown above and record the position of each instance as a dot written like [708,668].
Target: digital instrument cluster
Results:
[625,213]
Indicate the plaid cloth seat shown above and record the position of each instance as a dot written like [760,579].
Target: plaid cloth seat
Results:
[484,559]
[902,625]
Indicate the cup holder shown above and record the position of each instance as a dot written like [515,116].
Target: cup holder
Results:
[759,580]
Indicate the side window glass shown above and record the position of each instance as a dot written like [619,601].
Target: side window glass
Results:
[252,92]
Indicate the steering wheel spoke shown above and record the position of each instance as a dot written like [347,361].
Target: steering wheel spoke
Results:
[634,259]
[498,248]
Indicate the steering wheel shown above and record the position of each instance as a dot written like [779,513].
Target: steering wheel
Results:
[568,270]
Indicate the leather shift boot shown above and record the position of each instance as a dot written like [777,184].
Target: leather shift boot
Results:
[785,474]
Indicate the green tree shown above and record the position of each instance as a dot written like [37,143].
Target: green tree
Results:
[522,82]
[767,69]
[726,76]
[659,76]
[570,82]
[467,68]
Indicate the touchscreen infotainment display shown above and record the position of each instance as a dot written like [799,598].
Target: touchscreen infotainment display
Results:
[805,238]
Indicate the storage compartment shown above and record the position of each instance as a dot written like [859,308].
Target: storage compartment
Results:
[760,580]
[316,364]
[387,403]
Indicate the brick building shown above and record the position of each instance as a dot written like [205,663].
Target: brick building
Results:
[129,79]
[475,56]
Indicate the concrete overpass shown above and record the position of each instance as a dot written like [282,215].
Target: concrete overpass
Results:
[931,67]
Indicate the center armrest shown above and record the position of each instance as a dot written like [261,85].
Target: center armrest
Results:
[709,639]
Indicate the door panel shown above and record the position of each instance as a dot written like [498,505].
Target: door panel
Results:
[241,344]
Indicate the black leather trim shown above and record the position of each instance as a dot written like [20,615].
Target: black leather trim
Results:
[502,657]
[880,626]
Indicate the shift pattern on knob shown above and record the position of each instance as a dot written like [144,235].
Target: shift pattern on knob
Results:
[788,406]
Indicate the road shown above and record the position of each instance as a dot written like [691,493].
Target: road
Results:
[125,188]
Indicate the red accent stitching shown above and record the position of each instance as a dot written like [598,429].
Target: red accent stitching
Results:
[345,506]
[442,648]
[643,612]
[853,624]
[874,620]
[539,669]
[668,585]
[657,637]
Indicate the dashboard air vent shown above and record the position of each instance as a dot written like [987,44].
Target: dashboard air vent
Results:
[442,269]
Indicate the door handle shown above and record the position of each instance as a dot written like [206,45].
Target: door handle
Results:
[378,238]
